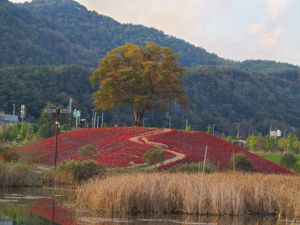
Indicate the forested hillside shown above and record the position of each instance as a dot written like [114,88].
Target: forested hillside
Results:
[26,39]
[38,40]
[101,33]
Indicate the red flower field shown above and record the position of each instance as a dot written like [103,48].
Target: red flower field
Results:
[125,146]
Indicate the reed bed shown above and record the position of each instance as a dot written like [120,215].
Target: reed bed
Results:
[199,194]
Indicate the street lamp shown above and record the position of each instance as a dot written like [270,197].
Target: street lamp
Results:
[238,129]
[144,121]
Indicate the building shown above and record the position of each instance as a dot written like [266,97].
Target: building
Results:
[6,119]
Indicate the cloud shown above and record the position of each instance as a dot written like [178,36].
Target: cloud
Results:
[172,16]
[275,8]
[269,39]
[257,28]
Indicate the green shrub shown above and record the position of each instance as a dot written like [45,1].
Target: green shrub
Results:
[239,162]
[288,160]
[195,167]
[88,152]
[72,172]
[153,156]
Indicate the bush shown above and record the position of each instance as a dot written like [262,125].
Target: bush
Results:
[153,156]
[72,172]
[88,152]
[195,167]
[18,174]
[288,160]
[239,162]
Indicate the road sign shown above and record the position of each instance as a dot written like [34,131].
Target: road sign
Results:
[65,111]
[50,110]
[57,111]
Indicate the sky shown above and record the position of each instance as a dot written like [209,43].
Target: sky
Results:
[233,29]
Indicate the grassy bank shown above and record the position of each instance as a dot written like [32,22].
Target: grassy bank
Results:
[275,157]
[215,194]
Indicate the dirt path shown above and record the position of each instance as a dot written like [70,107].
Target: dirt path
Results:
[143,139]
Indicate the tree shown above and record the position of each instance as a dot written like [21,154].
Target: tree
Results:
[229,139]
[208,129]
[143,77]
[13,132]
[252,142]
[270,143]
[23,130]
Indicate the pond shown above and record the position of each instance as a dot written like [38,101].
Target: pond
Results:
[53,206]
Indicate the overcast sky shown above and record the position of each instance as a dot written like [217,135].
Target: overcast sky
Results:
[233,29]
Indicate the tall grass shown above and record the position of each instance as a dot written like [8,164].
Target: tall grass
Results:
[19,174]
[214,194]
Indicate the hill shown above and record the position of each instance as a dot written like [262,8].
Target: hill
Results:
[102,33]
[121,146]
[218,95]
[26,39]
[225,95]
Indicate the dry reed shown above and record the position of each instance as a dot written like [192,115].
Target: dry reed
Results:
[213,194]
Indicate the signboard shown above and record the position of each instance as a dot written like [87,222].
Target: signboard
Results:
[50,110]
[76,113]
[278,133]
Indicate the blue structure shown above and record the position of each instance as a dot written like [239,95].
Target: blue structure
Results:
[8,119]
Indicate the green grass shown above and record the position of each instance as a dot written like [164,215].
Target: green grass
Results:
[275,157]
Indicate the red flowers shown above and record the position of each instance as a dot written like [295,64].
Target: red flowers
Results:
[193,145]
[114,148]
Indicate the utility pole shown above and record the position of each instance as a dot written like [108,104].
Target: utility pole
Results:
[22,112]
[294,131]
[169,117]
[57,112]
[102,117]
[214,129]
[14,109]
[97,121]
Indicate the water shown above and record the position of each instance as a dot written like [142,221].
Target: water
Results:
[52,206]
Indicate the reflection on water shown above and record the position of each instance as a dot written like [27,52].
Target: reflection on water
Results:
[38,206]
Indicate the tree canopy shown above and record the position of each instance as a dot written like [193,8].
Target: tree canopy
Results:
[143,77]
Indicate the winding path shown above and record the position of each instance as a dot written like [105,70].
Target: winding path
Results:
[142,138]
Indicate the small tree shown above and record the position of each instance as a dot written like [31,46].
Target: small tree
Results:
[23,131]
[14,132]
[270,143]
[252,142]
[88,152]
[229,139]
[288,160]
[208,129]
[153,156]
[239,162]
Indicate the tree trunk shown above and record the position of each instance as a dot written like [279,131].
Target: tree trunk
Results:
[138,118]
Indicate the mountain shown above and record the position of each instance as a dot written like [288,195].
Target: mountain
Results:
[101,33]
[225,95]
[26,39]
[39,38]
